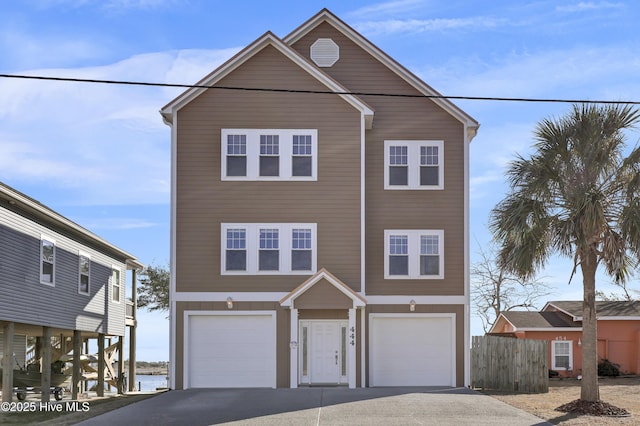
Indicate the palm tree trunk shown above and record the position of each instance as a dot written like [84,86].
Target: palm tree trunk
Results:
[589,390]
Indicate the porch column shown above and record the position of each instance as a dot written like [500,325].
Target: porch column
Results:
[100,384]
[45,343]
[121,389]
[293,345]
[363,342]
[76,375]
[7,362]
[132,333]
[351,341]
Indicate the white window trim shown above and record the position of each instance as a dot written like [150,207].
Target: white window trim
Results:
[253,247]
[553,355]
[285,154]
[413,154]
[88,256]
[52,241]
[119,285]
[414,253]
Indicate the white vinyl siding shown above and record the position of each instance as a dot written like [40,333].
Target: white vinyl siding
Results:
[268,248]
[414,254]
[413,164]
[269,154]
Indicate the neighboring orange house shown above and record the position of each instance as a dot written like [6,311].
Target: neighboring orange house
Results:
[561,324]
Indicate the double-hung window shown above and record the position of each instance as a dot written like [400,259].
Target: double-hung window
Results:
[269,154]
[302,156]
[236,249]
[47,260]
[269,253]
[268,248]
[414,165]
[236,147]
[562,355]
[84,273]
[414,254]
[115,285]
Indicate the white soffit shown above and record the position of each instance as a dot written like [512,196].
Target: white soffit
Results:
[325,52]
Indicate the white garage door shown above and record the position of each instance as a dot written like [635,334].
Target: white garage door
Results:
[411,351]
[231,351]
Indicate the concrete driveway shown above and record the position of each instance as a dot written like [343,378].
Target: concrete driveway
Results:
[320,406]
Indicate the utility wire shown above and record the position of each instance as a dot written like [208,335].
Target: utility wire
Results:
[318,92]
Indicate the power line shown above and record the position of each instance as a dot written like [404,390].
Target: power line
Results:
[318,92]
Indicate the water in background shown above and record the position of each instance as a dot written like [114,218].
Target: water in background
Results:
[144,382]
[150,383]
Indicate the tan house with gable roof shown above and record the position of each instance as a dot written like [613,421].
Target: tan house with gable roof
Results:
[318,236]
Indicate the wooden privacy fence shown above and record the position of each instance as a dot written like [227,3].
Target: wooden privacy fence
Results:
[509,364]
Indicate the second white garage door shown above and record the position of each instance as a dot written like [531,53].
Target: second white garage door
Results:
[411,350]
[231,350]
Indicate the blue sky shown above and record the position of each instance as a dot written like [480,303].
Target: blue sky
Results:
[100,156]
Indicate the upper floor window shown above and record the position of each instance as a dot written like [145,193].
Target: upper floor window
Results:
[270,248]
[47,260]
[269,154]
[115,285]
[414,254]
[561,354]
[84,272]
[414,165]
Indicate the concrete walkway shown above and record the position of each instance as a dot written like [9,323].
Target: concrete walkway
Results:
[320,406]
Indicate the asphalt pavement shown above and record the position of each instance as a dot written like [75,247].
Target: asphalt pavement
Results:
[319,406]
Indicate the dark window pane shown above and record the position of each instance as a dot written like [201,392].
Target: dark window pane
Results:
[269,166]
[269,260]
[398,265]
[301,260]
[301,166]
[84,283]
[562,361]
[428,175]
[429,265]
[236,260]
[398,175]
[47,272]
[236,166]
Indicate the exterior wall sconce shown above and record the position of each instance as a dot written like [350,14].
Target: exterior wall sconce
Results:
[229,303]
[412,305]
[579,342]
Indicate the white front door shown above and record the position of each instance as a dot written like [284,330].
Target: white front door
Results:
[323,352]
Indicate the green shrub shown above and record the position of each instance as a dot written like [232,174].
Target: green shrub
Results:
[608,368]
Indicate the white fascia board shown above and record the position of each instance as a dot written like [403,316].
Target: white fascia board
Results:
[548,329]
[206,296]
[506,319]
[420,300]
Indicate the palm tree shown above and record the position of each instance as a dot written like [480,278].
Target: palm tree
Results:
[577,196]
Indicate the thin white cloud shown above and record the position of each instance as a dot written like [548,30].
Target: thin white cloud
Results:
[385,9]
[103,144]
[107,4]
[395,26]
[588,6]
[42,50]
[115,223]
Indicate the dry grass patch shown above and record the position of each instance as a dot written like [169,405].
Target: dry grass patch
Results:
[620,392]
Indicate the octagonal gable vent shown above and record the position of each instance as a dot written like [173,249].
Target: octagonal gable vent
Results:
[325,52]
